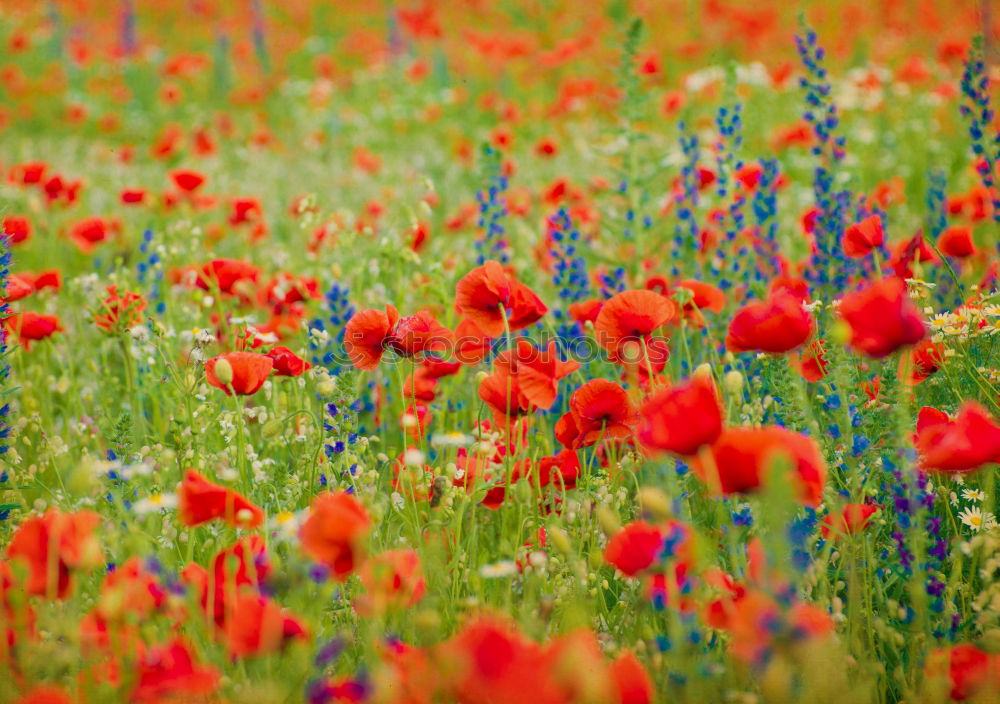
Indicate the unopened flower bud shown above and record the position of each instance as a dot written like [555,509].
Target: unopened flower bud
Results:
[224,371]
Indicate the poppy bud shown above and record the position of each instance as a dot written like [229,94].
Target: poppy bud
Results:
[608,521]
[522,491]
[481,376]
[733,381]
[224,371]
[654,501]
[325,387]
[703,370]
[271,428]
[427,622]
[559,539]
[841,332]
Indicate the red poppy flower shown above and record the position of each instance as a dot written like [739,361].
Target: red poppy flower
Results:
[287,289]
[969,670]
[631,317]
[90,232]
[51,545]
[50,278]
[391,580]
[471,344]
[130,589]
[18,287]
[882,318]
[245,210]
[501,392]
[334,532]
[419,386]
[546,147]
[811,362]
[536,371]
[631,681]
[17,228]
[370,332]
[200,501]
[132,196]
[862,237]
[585,311]
[249,371]
[743,455]
[487,294]
[230,276]
[31,327]
[436,368]
[241,566]
[683,418]
[853,519]
[779,324]
[418,333]
[704,297]
[925,359]
[601,409]
[287,363]
[634,548]
[256,625]
[44,694]
[956,241]
[560,470]
[170,671]
[792,285]
[908,252]
[187,180]
[964,444]
[120,312]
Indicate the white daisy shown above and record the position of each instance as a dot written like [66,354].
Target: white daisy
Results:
[504,568]
[155,502]
[973,495]
[974,518]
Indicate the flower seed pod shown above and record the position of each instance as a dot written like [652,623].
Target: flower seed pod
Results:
[224,372]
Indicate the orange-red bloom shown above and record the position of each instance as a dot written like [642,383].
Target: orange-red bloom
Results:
[882,318]
[249,372]
[31,327]
[853,519]
[601,410]
[632,683]
[631,317]
[862,237]
[334,532]
[391,580]
[287,363]
[86,234]
[51,545]
[634,548]
[256,625]
[956,241]
[120,311]
[742,456]
[169,672]
[964,444]
[779,324]
[17,228]
[488,294]
[187,180]
[200,501]
[969,670]
[370,332]
[683,418]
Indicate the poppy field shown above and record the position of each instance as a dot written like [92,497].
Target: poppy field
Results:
[559,352]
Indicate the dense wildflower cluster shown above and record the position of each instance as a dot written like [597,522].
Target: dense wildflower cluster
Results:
[416,352]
